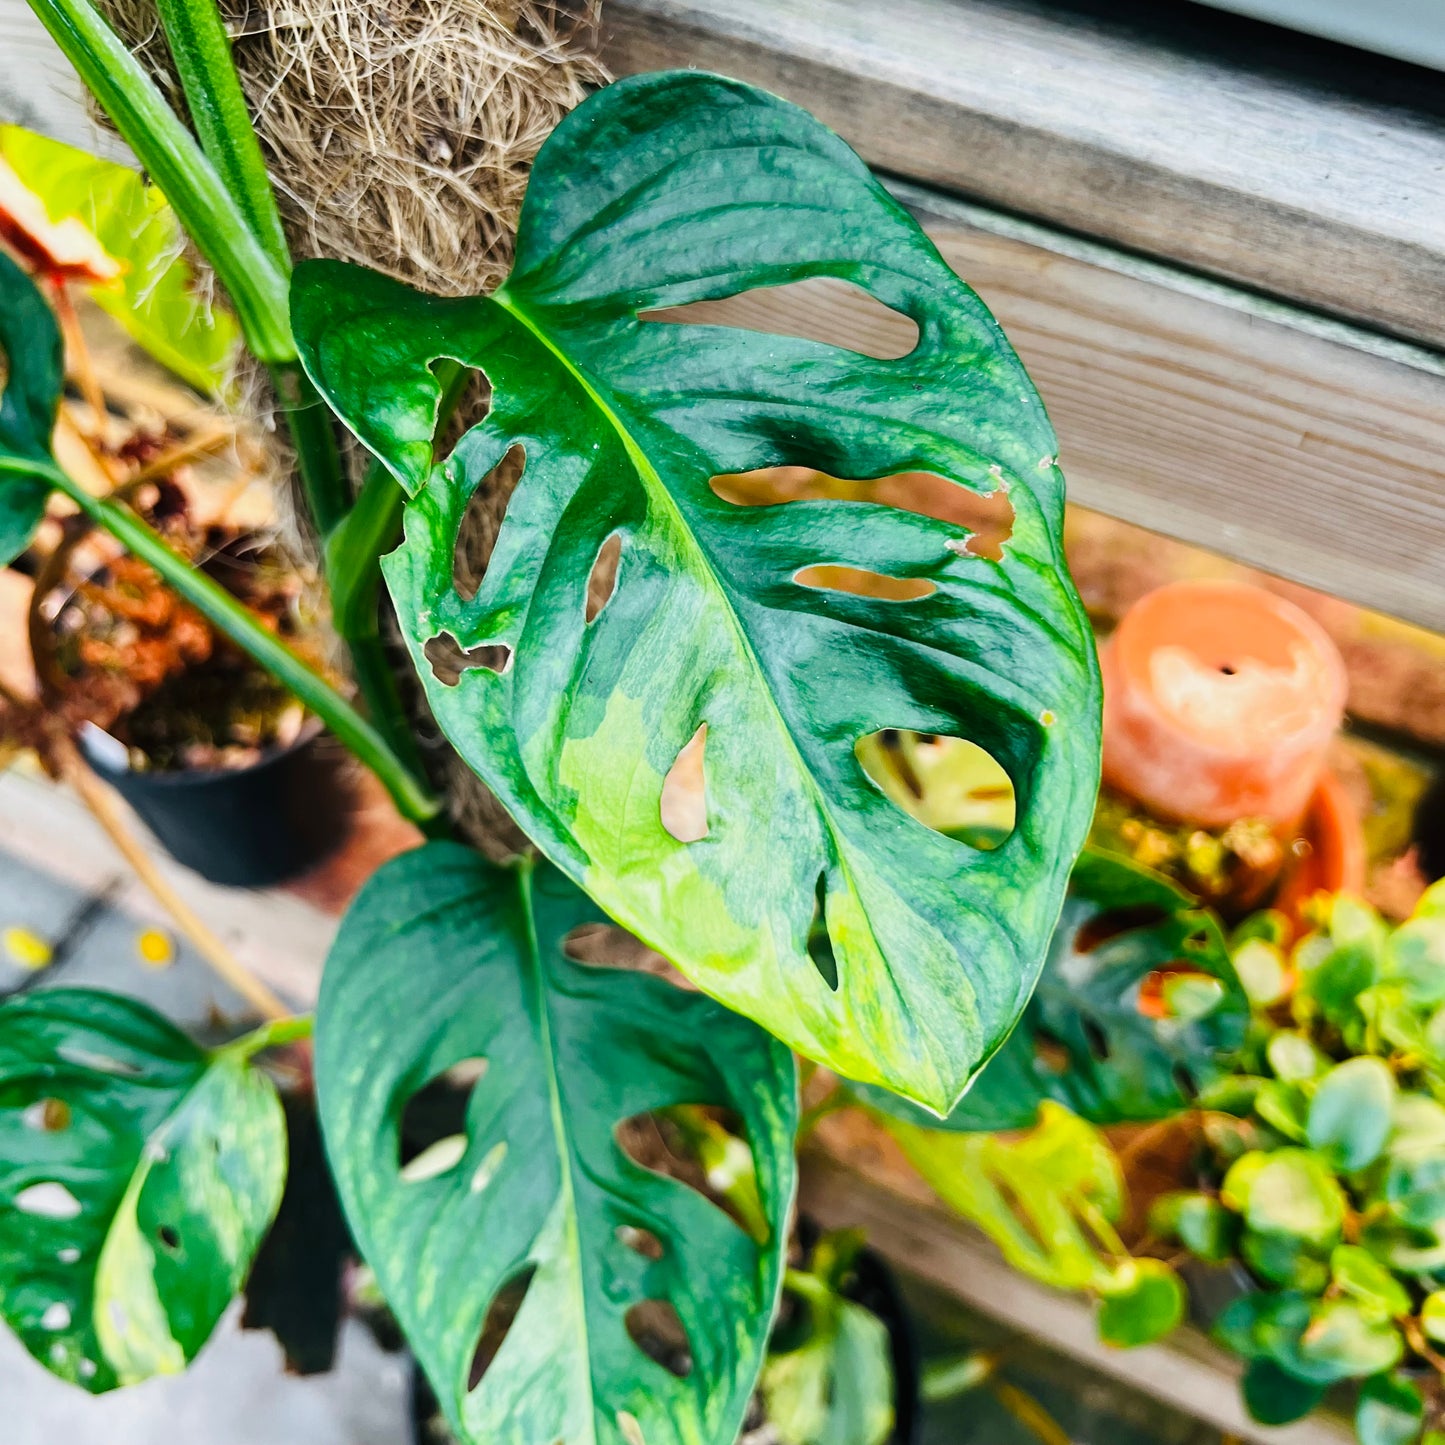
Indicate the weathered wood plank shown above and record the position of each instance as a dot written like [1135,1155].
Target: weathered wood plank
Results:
[1283,185]
[1292,444]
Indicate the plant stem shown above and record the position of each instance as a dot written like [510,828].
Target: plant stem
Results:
[271,1035]
[211,216]
[1029,1413]
[227,615]
[202,52]
[78,352]
[376,682]
[318,458]
[101,802]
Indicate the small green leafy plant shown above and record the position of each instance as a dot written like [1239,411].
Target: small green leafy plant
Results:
[762,646]
[1326,1172]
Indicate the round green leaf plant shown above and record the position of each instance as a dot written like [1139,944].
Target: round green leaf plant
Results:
[1328,1174]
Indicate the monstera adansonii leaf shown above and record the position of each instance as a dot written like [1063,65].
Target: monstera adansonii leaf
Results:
[445,961]
[33,372]
[138,1175]
[1138,1009]
[743,629]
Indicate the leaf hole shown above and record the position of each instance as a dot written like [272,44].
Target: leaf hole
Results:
[501,1315]
[98,1063]
[602,580]
[48,1116]
[1017,1205]
[860,582]
[1104,927]
[449,659]
[985,520]
[825,309]
[683,804]
[431,1135]
[1185,1082]
[605,945]
[488,1169]
[48,1200]
[820,941]
[1095,1037]
[656,1329]
[481,520]
[170,1237]
[949,784]
[704,1147]
[640,1241]
[630,1430]
[1050,1052]
[436,1159]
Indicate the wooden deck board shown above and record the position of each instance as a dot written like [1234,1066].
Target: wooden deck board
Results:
[1227,161]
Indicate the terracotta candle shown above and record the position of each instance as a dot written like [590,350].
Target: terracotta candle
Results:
[1220,700]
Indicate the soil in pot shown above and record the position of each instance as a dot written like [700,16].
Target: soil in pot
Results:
[216,757]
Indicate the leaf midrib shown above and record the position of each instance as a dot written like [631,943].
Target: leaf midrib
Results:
[561,1138]
[657,491]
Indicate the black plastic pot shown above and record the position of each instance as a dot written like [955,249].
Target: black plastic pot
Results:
[246,827]
[877,1290]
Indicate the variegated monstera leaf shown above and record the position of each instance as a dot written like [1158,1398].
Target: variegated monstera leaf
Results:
[530,1255]
[759,643]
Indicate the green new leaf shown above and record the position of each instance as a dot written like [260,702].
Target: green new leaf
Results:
[1273,1396]
[1357,1273]
[1415,1188]
[155,299]
[1289,1192]
[1350,1114]
[445,959]
[1390,1411]
[1432,1315]
[139,1176]
[1137,1010]
[1346,1341]
[1318,1342]
[34,372]
[1142,1303]
[1199,1222]
[660,191]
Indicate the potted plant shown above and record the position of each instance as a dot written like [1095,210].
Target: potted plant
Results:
[682,757]
[207,746]
[1324,1173]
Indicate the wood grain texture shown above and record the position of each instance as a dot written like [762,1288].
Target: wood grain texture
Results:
[1186,1372]
[1286,443]
[1283,186]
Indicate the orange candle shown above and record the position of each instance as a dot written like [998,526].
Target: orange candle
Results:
[1220,700]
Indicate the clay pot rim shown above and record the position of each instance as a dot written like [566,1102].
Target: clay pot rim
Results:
[1321,642]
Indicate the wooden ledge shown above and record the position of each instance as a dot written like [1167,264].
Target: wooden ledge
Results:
[1163,144]
[1290,442]
[1186,1372]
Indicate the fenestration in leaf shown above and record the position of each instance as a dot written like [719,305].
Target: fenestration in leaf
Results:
[446,960]
[660,191]
[138,1174]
